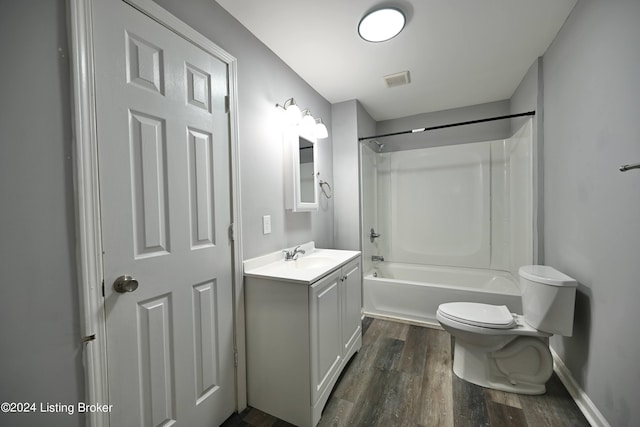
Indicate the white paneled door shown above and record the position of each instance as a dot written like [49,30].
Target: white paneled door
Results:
[163,148]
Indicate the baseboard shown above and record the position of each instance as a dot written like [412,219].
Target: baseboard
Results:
[588,408]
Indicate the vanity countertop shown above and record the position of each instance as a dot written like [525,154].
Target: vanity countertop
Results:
[314,264]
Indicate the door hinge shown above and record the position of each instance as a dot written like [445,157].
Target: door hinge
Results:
[226,103]
[103,288]
[232,232]
[88,338]
[235,358]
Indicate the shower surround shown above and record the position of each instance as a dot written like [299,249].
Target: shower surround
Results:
[455,224]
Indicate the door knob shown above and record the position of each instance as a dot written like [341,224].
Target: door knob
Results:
[125,284]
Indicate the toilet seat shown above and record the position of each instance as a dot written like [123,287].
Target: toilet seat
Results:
[456,315]
[478,314]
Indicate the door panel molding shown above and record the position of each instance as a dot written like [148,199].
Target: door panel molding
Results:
[158,405]
[87,197]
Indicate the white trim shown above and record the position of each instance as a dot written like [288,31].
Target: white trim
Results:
[162,16]
[588,408]
[87,196]
[236,202]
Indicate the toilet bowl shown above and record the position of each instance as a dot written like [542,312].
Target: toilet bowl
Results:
[513,358]
[497,349]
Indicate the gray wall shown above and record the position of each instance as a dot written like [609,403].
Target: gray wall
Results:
[350,121]
[366,126]
[263,81]
[40,354]
[345,174]
[592,211]
[456,135]
[529,97]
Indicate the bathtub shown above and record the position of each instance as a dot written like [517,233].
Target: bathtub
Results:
[413,292]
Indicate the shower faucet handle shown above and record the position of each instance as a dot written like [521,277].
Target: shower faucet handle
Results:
[373,235]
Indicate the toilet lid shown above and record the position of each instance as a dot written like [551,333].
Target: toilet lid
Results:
[477,314]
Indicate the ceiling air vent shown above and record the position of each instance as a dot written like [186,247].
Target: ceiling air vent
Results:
[397,79]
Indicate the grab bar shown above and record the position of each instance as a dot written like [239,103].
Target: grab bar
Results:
[625,168]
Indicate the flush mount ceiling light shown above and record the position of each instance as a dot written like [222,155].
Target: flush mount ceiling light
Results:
[381,24]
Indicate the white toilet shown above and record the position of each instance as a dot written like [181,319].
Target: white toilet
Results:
[497,349]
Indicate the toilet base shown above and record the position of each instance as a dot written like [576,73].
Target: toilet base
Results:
[523,366]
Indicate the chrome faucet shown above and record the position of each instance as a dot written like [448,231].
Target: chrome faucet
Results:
[377,258]
[292,254]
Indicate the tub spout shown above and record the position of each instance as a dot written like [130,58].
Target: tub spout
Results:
[377,258]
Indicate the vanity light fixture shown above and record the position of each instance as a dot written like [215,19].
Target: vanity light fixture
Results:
[321,129]
[308,121]
[292,110]
[381,25]
[315,127]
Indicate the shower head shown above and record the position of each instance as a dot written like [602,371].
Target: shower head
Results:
[379,144]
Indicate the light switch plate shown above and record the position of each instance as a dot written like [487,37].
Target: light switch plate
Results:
[266,224]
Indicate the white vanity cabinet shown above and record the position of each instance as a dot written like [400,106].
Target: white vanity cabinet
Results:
[300,335]
[351,297]
[325,338]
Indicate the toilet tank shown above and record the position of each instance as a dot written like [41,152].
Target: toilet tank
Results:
[548,299]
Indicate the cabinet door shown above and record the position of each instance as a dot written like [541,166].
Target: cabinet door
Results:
[325,323]
[351,294]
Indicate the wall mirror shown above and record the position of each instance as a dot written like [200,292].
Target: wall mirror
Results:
[301,180]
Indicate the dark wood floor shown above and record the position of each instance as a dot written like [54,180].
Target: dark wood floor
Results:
[402,377]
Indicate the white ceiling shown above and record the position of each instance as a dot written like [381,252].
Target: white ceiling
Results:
[459,52]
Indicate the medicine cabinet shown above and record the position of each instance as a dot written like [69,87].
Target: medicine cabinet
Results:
[301,170]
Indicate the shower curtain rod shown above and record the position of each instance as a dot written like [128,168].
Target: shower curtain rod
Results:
[450,125]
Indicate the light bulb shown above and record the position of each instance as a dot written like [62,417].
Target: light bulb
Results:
[308,122]
[320,129]
[293,112]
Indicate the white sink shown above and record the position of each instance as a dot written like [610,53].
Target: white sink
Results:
[311,262]
[308,267]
